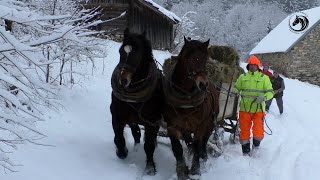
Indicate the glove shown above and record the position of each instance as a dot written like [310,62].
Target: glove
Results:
[260,99]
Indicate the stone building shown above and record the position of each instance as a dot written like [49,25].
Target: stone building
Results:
[293,47]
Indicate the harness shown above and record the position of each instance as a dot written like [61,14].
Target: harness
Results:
[178,99]
[142,89]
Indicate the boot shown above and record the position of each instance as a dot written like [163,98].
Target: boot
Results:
[255,148]
[246,149]
[256,143]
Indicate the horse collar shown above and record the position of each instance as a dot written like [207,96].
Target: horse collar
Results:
[143,89]
[177,99]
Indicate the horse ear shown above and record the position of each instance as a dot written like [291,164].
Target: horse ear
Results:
[185,40]
[206,44]
[126,32]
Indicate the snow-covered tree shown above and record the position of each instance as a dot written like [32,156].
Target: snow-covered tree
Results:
[241,25]
[30,42]
[245,24]
[68,52]
[186,28]
[269,26]
[291,6]
[199,20]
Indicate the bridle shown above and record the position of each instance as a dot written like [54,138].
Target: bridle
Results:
[191,74]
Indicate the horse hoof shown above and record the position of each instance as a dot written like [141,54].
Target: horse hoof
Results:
[182,172]
[204,156]
[183,177]
[194,177]
[150,169]
[123,153]
[195,171]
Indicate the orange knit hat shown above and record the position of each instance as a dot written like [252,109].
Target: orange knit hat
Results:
[254,60]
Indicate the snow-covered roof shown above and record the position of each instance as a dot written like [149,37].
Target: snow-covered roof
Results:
[164,11]
[282,39]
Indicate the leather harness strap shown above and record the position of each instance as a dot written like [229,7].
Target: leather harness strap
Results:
[142,91]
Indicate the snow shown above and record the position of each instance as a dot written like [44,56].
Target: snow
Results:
[169,14]
[24,16]
[82,148]
[281,38]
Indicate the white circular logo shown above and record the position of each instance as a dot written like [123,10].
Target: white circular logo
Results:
[298,22]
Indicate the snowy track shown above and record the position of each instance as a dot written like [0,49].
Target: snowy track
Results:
[84,149]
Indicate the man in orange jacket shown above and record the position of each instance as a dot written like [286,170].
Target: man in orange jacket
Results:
[254,88]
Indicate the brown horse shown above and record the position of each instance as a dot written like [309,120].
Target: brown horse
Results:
[137,96]
[191,105]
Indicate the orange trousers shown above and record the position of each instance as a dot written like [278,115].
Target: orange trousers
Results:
[248,120]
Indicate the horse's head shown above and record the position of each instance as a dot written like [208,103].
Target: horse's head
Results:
[296,21]
[193,57]
[135,54]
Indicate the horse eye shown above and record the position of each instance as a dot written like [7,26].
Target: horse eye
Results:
[127,48]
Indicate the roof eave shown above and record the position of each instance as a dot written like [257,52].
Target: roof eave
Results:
[304,35]
[296,42]
[148,5]
[267,53]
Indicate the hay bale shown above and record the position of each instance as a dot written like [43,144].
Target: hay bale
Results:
[220,68]
[168,64]
[220,72]
[217,71]
[224,54]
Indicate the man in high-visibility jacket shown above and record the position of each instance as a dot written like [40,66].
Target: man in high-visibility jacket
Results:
[254,88]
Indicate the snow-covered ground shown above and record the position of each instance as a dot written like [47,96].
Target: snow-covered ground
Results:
[82,140]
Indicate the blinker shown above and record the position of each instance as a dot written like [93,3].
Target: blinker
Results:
[127,48]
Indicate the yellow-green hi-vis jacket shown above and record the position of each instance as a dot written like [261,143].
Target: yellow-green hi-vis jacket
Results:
[251,85]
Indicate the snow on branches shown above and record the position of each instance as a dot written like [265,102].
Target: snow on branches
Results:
[41,43]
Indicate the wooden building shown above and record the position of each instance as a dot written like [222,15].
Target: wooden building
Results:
[294,54]
[141,15]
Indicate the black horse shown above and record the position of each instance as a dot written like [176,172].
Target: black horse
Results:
[191,106]
[137,96]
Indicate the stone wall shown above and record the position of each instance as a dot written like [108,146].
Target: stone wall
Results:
[306,58]
[301,62]
[277,61]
